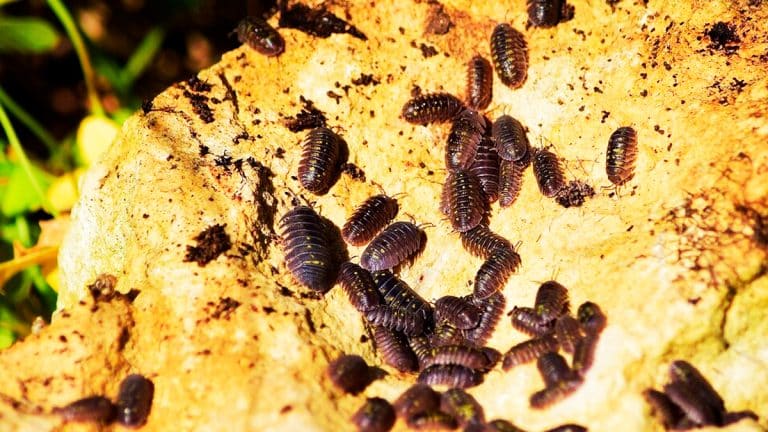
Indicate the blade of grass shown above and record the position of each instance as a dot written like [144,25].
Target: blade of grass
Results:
[27,120]
[142,57]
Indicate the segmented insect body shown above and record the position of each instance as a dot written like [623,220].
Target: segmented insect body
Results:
[480,241]
[446,334]
[548,172]
[465,197]
[319,160]
[553,368]
[500,425]
[549,395]
[510,138]
[91,409]
[663,408]
[358,284]
[548,13]
[419,398]
[510,182]
[394,349]
[493,309]
[450,376]
[307,254]
[395,244]
[528,351]
[479,83]
[551,301]
[486,168]
[368,219]
[493,274]
[493,356]
[684,372]
[568,331]
[349,373]
[134,400]
[461,355]
[261,36]
[457,312]
[509,51]
[584,353]
[412,313]
[376,415]
[692,404]
[431,107]
[591,317]
[526,320]
[621,155]
[466,132]
[462,406]
[422,347]
[432,420]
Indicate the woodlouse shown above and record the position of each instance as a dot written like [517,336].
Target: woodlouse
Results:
[509,51]
[479,83]
[493,274]
[528,351]
[493,309]
[466,133]
[553,368]
[394,349]
[693,404]
[319,160]
[500,425]
[526,320]
[591,317]
[260,36]
[569,332]
[510,138]
[446,334]
[549,395]
[621,155]
[584,353]
[480,241]
[368,219]
[431,107]
[134,400]
[358,284]
[548,172]
[510,182]
[307,254]
[432,420]
[462,406]
[91,409]
[548,13]
[419,398]
[457,312]
[376,415]
[350,373]
[411,313]
[551,301]
[486,168]
[391,247]
[682,371]
[421,346]
[465,200]
[663,408]
[450,376]
[568,428]
[461,355]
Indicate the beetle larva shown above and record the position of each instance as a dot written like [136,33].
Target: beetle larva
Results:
[376,415]
[569,332]
[479,83]
[591,317]
[480,241]
[462,406]
[466,132]
[493,274]
[349,373]
[307,255]
[551,301]
[493,309]
[91,409]
[432,107]
[391,247]
[528,351]
[412,314]
[358,284]
[134,400]
[432,421]
[467,206]
[461,355]
[486,168]
[319,160]
[526,320]
[548,13]
[549,395]
[663,408]
[260,36]
[510,182]
[510,138]
[509,51]
[394,349]
[621,155]
[457,312]
[450,376]
[419,398]
[368,219]
[548,172]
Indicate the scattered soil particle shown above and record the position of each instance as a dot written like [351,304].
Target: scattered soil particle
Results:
[211,242]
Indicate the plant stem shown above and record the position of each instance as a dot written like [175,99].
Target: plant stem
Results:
[142,56]
[27,120]
[89,75]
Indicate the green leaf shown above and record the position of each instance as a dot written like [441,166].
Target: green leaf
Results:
[19,195]
[27,35]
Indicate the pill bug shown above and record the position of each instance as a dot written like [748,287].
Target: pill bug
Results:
[462,406]
[395,319]
[548,172]
[260,36]
[432,420]
[412,314]
[450,376]
[391,247]
[528,351]
[479,83]
[568,428]
[509,52]
[493,356]
[493,274]
[480,241]
[486,168]
[510,182]
[500,425]
[446,334]
[358,284]
[568,331]
[319,160]
[419,398]
[422,347]
[466,133]
[376,415]
[467,206]
[307,254]
[591,317]
[551,301]
[461,355]
[621,155]
[548,13]
[431,107]
[91,409]
[134,400]
[584,353]
[394,349]
[682,371]
[350,373]
[368,219]
[549,395]
[526,320]
[663,408]
[457,312]
[510,138]
[553,368]
[692,404]
[493,309]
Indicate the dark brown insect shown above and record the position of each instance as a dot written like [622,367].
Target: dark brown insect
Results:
[486,168]
[391,247]
[457,312]
[462,406]
[584,353]
[134,400]
[376,415]
[493,356]
[461,355]
[663,408]
[526,320]
[479,83]
[349,373]
[684,372]
[431,107]
[500,425]
[358,284]
[548,13]
[591,317]
[621,155]
[394,349]
[493,309]
[510,182]
[450,376]
[480,241]
[466,132]
[509,51]
[368,219]
[568,428]
[410,313]
[551,301]
[493,274]
[549,395]
[569,332]
[319,160]
[307,254]
[464,194]
[261,36]
[528,351]
[553,368]
[510,138]
[422,347]
[693,404]
[91,409]
[419,398]
[446,334]
[548,172]
[432,420]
